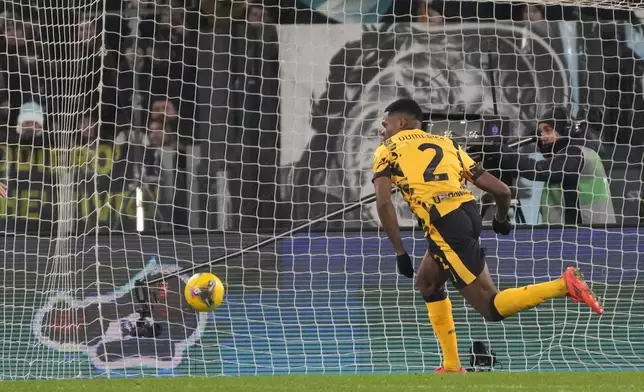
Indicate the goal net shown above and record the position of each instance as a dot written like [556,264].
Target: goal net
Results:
[143,138]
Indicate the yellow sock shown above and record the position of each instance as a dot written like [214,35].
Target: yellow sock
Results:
[440,315]
[512,301]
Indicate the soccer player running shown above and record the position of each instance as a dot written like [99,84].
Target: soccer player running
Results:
[430,171]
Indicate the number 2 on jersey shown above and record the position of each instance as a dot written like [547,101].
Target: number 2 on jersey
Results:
[429,174]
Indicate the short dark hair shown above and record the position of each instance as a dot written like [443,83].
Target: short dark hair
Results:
[407,106]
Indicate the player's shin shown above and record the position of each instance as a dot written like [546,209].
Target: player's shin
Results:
[512,301]
[439,308]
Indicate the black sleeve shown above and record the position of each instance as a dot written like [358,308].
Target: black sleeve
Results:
[386,172]
[477,170]
[552,170]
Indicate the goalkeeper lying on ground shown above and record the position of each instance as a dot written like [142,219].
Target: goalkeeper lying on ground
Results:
[430,171]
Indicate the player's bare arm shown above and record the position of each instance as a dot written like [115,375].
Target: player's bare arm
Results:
[389,222]
[387,213]
[3,190]
[501,192]
[483,180]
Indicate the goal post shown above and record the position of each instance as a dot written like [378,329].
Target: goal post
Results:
[145,141]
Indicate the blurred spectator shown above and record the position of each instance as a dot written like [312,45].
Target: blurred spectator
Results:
[159,156]
[160,161]
[133,56]
[173,55]
[20,65]
[164,110]
[30,123]
[219,14]
[533,13]
[243,112]
[116,96]
[88,128]
[137,76]
[160,136]
[255,15]
[576,189]
[155,134]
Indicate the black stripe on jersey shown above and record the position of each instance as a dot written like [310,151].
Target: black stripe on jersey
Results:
[476,170]
[460,160]
[396,170]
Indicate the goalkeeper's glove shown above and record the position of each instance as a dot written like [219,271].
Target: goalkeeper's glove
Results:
[405,266]
[502,228]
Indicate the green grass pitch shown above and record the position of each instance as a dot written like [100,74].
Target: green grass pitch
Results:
[492,382]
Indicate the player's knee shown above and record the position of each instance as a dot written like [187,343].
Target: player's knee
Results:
[492,313]
[432,292]
[423,286]
[493,317]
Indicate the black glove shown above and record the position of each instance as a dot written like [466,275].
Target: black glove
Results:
[502,228]
[405,266]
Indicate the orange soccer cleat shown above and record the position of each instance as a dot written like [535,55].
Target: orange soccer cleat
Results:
[579,291]
[442,370]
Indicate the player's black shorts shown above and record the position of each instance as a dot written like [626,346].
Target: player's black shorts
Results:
[454,238]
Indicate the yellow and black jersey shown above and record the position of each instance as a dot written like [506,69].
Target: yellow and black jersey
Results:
[430,171]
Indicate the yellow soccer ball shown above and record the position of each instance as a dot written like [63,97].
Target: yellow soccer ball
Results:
[204,292]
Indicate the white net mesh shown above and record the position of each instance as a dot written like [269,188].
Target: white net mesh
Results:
[237,122]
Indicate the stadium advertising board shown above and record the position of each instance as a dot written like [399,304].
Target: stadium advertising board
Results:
[313,303]
[336,83]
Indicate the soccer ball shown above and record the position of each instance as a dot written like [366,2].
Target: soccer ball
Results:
[204,292]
